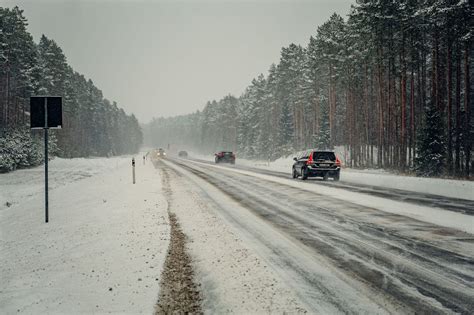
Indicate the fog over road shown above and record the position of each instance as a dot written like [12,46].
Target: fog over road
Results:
[340,256]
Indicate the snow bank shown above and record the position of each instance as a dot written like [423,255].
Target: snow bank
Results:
[103,249]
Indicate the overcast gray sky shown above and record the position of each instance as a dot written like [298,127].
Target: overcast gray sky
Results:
[164,58]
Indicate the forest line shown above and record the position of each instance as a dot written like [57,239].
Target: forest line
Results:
[92,125]
[391,83]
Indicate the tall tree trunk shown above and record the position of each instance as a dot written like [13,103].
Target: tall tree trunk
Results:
[334,134]
[316,113]
[457,145]
[434,93]
[412,119]
[373,115]
[380,145]
[331,113]
[366,101]
[449,93]
[437,94]
[467,108]
[7,98]
[389,133]
[403,112]
[349,125]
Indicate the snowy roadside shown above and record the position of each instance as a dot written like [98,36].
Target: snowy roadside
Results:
[25,183]
[232,275]
[103,249]
[462,189]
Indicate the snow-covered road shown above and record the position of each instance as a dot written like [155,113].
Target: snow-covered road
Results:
[339,250]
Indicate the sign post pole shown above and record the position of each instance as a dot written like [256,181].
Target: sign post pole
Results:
[46,160]
[46,113]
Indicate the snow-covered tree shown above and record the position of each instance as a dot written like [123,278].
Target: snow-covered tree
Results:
[431,150]
[91,124]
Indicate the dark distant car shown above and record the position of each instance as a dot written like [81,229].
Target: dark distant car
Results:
[183,154]
[225,157]
[323,164]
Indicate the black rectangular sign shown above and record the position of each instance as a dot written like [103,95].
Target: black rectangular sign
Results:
[54,108]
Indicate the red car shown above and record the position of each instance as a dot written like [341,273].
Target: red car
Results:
[225,156]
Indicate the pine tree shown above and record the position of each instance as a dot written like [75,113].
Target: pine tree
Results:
[431,149]
[91,125]
[323,140]
[286,132]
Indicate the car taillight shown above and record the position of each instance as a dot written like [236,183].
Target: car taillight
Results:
[338,162]
[310,159]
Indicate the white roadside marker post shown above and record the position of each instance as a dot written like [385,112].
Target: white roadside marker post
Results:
[133,169]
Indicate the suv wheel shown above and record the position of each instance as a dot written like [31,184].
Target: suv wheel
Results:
[336,177]
[326,176]
[294,173]
[304,173]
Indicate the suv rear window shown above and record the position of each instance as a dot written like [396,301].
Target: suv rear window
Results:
[327,156]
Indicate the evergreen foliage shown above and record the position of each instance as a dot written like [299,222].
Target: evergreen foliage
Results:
[431,150]
[18,149]
[92,125]
[323,139]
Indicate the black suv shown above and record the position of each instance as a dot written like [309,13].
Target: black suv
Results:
[323,164]
[225,156]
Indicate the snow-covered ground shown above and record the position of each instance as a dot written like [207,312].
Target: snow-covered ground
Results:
[25,183]
[462,189]
[103,249]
